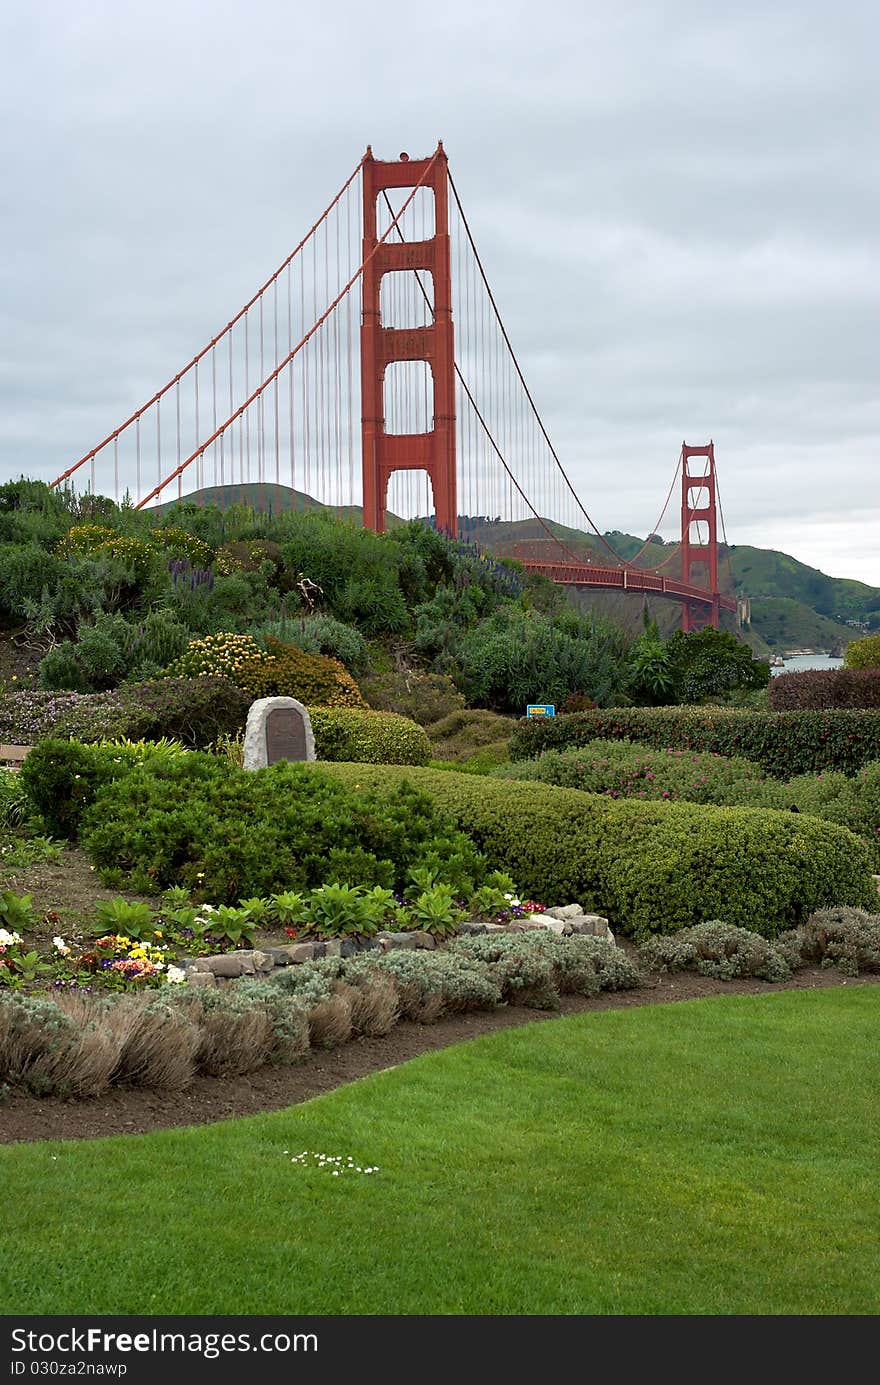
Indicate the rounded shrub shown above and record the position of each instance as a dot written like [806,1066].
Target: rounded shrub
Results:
[313,679]
[864,653]
[379,738]
[228,834]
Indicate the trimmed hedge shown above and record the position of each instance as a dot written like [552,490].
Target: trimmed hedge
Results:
[817,689]
[378,738]
[195,711]
[784,743]
[650,867]
[623,770]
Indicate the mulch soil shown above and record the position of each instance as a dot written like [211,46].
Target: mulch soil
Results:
[135,1111]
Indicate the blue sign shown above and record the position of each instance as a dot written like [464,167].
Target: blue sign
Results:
[541,709]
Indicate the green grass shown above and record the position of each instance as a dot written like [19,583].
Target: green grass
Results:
[713,1157]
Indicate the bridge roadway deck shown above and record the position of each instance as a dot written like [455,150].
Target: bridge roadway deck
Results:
[627,579]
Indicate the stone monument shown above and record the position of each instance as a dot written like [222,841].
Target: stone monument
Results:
[278,728]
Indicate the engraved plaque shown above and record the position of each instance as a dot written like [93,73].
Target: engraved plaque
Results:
[285,735]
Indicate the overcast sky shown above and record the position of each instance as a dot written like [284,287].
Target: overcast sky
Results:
[677,205]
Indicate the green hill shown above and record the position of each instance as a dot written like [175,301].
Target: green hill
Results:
[762,572]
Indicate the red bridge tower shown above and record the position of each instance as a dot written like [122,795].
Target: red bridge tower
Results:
[433,451]
[697,507]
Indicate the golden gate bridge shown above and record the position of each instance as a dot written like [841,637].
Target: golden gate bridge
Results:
[373,373]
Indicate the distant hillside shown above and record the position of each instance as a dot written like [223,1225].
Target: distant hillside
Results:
[762,572]
[793,606]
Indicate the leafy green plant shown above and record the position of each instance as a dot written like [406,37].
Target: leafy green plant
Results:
[287,908]
[338,911]
[129,917]
[232,925]
[48,849]
[435,911]
[176,897]
[487,901]
[16,911]
[18,967]
[14,804]
[258,910]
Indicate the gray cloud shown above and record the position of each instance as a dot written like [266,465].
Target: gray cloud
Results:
[678,208]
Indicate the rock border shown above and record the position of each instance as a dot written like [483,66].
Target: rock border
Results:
[566,920]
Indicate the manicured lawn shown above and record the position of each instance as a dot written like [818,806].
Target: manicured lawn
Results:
[718,1156]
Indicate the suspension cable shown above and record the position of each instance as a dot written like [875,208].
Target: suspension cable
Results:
[486,429]
[111,437]
[625,562]
[273,375]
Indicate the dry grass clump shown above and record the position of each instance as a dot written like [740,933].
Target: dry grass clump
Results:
[375,1006]
[330,1020]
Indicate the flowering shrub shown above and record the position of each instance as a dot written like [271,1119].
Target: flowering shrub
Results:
[217,656]
[193,710]
[621,770]
[93,539]
[313,679]
[180,544]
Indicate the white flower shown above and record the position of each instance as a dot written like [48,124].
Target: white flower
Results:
[175,975]
[9,939]
[60,946]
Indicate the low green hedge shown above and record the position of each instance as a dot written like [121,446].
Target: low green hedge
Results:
[377,738]
[650,867]
[784,743]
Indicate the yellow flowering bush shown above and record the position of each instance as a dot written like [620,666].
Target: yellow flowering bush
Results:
[94,540]
[220,656]
[183,545]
